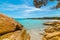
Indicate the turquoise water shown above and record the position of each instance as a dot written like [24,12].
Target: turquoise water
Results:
[32,24]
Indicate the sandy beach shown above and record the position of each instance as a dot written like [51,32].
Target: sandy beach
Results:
[35,34]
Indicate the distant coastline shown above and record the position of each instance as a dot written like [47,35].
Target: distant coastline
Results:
[43,18]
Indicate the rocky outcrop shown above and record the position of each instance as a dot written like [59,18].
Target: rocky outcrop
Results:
[7,24]
[12,30]
[52,23]
[17,35]
[52,32]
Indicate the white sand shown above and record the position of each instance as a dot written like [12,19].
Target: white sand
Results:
[35,34]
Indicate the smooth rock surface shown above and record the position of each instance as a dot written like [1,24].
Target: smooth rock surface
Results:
[8,24]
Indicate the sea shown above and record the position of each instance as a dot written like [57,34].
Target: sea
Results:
[34,26]
[33,23]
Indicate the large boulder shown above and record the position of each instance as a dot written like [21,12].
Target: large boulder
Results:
[12,30]
[8,24]
[17,35]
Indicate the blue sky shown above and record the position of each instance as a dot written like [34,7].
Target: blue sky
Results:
[26,9]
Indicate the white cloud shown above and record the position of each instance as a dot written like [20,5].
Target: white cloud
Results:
[21,10]
[12,7]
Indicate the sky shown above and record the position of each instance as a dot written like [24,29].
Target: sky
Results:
[26,9]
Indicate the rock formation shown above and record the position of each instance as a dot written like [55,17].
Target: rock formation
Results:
[12,30]
[52,32]
[17,35]
[7,24]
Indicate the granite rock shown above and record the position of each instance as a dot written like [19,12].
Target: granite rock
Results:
[8,24]
[52,32]
[17,35]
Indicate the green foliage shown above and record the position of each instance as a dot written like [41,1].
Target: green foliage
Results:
[40,3]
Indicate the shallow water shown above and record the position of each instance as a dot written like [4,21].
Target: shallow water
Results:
[32,24]
[34,27]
